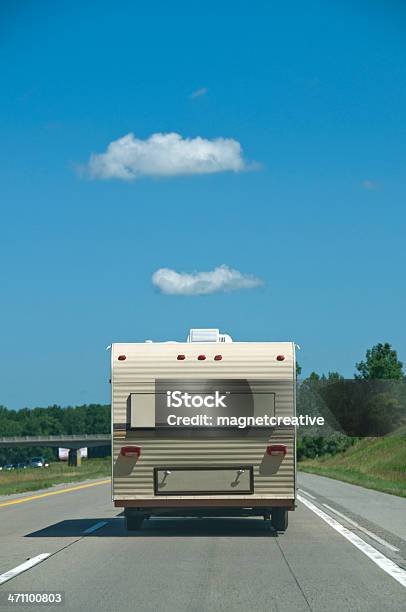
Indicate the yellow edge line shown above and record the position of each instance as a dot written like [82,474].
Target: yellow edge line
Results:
[25,499]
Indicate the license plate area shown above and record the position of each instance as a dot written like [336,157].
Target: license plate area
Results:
[186,480]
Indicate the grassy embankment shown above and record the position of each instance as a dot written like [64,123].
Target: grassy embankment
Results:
[32,479]
[374,463]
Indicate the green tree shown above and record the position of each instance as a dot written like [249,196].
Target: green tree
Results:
[381,362]
[53,420]
[298,369]
[332,377]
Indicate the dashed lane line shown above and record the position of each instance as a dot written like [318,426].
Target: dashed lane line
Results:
[95,527]
[23,567]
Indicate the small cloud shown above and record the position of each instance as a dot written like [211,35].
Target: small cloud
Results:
[199,92]
[129,158]
[369,185]
[221,279]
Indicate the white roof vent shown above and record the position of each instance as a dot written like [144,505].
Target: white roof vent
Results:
[225,338]
[207,335]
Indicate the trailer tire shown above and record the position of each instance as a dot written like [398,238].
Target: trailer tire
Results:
[279,519]
[133,520]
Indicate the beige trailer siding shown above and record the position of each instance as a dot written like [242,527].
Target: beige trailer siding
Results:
[201,452]
[144,363]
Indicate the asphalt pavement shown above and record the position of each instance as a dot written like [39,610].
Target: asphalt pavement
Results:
[211,564]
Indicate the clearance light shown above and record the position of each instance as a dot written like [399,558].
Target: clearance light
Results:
[201,357]
[280,358]
[130,451]
[181,357]
[122,357]
[218,357]
[277,449]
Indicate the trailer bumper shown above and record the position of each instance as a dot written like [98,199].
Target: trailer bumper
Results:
[239,504]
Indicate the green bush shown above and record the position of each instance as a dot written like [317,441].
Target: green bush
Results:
[310,447]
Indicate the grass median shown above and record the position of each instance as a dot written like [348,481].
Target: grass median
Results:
[374,463]
[33,479]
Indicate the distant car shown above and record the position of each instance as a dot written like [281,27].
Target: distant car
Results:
[37,462]
[21,466]
[8,467]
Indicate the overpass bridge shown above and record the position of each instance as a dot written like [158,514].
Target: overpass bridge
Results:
[72,442]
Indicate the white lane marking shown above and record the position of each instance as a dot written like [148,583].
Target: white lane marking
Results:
[306,493]
[361,528]
[23,567]
[378,558]
[95,526]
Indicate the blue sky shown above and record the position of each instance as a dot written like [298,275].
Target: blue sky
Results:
[314,93]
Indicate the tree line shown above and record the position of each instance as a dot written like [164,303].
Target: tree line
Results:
[371,404]
[52,421]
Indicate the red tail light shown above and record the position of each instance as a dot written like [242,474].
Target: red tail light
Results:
[181,357]
[201,357]
[218,357]
[280,358]
[122,357]
[130,451]
[277,449]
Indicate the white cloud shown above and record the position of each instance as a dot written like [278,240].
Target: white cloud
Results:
[220,279]
[129,158]
[369,185]
[199,92]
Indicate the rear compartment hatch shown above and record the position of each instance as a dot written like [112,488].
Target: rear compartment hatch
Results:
[233,480]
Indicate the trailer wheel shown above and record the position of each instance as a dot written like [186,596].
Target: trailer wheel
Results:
[279,519]
[133,520]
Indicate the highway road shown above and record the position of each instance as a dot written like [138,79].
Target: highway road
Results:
[345,550]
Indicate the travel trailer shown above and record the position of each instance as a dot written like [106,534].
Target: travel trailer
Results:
[203,428]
